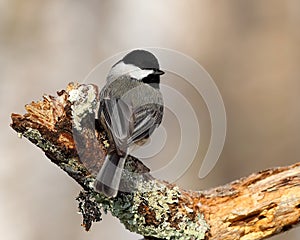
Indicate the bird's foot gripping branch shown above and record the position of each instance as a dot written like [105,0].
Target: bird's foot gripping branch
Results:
[151,208]
[254,207]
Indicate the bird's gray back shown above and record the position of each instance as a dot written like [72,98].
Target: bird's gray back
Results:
[132,92]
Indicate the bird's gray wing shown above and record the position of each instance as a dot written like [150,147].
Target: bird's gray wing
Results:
[118,117]
[146,119]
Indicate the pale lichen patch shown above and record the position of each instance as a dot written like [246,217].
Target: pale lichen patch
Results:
[160,198]
[84,101]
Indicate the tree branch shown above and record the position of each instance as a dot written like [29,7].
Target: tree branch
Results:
[255,207]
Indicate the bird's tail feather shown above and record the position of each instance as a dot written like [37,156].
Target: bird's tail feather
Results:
[109,176]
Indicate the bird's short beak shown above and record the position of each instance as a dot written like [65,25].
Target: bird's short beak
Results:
[158,72]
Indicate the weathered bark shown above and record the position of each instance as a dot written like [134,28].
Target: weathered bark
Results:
[255,207]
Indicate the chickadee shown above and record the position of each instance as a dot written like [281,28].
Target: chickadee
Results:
[131,107]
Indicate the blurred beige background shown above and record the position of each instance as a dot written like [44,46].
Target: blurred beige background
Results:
[250,48]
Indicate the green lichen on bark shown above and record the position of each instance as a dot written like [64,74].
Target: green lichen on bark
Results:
[160,200]
[151,211]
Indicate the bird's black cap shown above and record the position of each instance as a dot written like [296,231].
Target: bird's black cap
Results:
[142,59]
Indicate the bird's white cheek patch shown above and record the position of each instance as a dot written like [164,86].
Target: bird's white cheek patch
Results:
[128,69]
[140,74]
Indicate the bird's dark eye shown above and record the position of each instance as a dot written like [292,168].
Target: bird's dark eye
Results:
[153,80]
